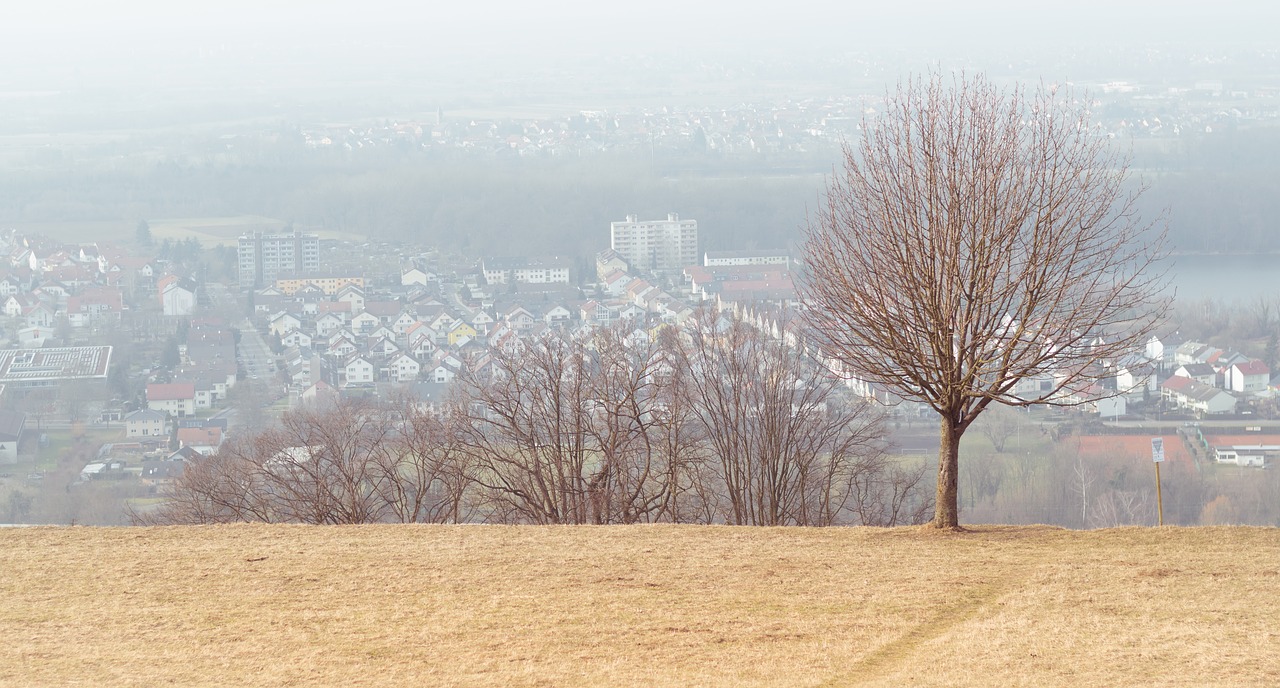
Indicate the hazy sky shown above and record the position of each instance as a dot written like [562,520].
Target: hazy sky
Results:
[88,26]
[90,46]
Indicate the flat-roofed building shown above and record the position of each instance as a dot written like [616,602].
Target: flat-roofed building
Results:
[264,258]
[729,258]
[23,369]
[657,245]
[526,270]
[330,285]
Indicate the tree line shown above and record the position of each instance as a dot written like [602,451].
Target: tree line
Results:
[714,423]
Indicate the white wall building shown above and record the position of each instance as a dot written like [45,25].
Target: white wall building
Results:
[262,258]
[527,270]
[670,244]
[765,257]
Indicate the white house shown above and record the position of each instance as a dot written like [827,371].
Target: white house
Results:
[177,296]
[557,314]
[414,276]
[327,324]
[403,323]
[365,323]
[12,424]
[283,322]
[145,423]
[1200,372]
[352,295]
[1252,455]
[1185,392]
[296,338]
[1248,377]
[178,399]
[403,368]
[357,370]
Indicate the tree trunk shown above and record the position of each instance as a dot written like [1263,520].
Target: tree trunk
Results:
[946,512]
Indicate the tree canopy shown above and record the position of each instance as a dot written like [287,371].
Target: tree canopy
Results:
[980,246]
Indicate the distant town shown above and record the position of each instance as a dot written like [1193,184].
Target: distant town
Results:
[125,362]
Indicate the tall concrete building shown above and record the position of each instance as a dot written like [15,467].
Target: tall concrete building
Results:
[658,245]
[263,258]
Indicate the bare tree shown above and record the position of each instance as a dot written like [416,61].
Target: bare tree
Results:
[1263,307]
[529,432]
[976,238]
[352,462]
[427,470]
[569,429]
[787,446]
[998,425]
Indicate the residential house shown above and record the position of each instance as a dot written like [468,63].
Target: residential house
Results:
[403,368]
[481,321]
[11,286]
[94,305]
[460,331]
[296,338]
[403,323]
[1249,377]
[177,296]
[557,314]
[342,345]
[415,276]
[1185,392]
[382,348]
[39,315]
[165,471]
[319,393]
[12,425]
[519,318]
[386,311]
[608,261]
[281,323]
[329,323]
[145,423]
[422,343]
[177,399]
[365,323]
[357,370]
[204,440]
[1200,372]
[353,296]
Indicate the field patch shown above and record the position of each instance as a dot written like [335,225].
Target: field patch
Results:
[209,231]
[642,605]
[1130,446]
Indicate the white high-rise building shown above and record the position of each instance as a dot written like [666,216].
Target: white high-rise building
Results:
[658,245]
[264,258]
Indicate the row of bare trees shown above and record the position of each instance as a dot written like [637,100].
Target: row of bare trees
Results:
[713,423]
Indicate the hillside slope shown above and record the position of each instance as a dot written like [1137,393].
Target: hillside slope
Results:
[647,605]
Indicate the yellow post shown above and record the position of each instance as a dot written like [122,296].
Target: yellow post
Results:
[1159,497]
[1157,457]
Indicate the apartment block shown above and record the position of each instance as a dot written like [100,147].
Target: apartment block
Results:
[657,245]
[264,258]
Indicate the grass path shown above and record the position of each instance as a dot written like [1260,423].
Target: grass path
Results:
[647,605]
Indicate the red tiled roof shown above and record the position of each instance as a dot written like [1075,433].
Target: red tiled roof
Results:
[171,392]
[1253,368]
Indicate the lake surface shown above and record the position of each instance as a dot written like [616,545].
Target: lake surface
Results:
[1224,277]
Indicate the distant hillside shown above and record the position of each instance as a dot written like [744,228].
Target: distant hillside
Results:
[647,605]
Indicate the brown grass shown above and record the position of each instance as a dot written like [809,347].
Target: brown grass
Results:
[651,605]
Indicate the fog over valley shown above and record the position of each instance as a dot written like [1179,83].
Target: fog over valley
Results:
[213,215]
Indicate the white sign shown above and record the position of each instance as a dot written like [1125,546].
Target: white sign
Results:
[1157,449]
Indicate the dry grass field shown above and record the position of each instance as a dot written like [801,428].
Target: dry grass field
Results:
[650,605]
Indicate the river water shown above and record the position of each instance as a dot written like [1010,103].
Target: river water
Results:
[1224,277]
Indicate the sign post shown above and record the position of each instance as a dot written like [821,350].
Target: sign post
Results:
[1157,457]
